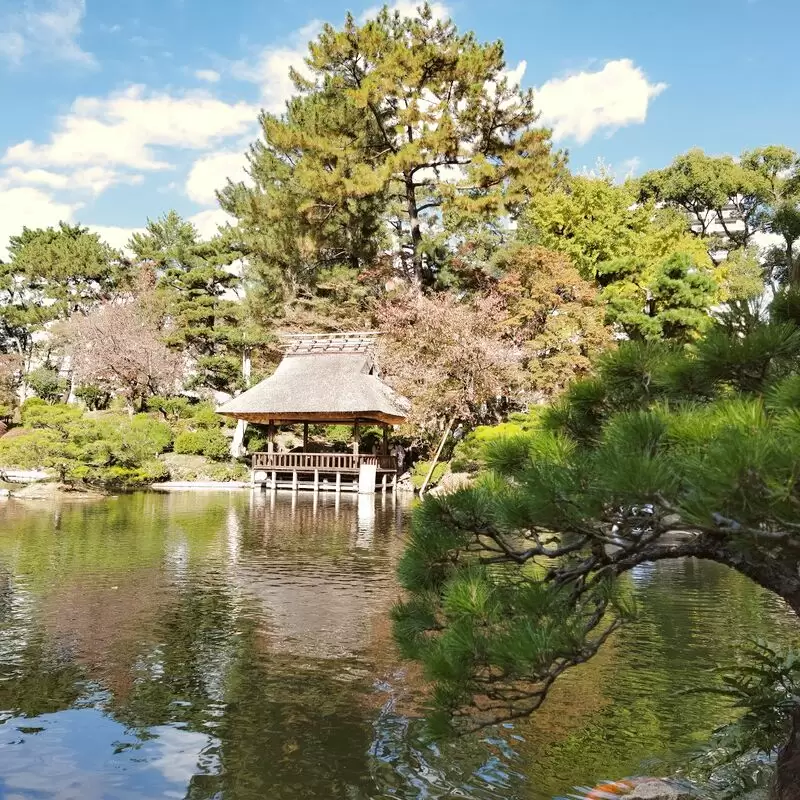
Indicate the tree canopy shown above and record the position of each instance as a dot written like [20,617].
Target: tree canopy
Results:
[666,452]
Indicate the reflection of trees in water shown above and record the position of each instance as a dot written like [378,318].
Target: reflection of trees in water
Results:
[176,625]
[630,702]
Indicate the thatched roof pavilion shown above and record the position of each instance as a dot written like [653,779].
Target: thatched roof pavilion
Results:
[323,379]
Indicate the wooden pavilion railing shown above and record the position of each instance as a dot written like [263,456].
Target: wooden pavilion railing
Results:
[324,462]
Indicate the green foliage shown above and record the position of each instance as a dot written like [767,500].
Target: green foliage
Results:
[762,688]
[106,449]
[669,301]
[346,159]
[420,470]
[96,398]
[210,442]
[172,408]
[48,384]
[192,278]
[469,455]
[666,451]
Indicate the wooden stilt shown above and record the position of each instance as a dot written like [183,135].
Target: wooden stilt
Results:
[274,480]
[316,481]
[294,480]
[383,483]
[338,483]
[305,437]
[355,438]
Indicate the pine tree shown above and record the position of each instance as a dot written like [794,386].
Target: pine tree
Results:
[193,279]
[404,118]
[665,453]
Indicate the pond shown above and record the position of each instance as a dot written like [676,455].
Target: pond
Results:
[229,645]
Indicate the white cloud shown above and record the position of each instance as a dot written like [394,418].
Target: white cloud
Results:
[630,166]
[270,70]
[25,206]
[115,235]
[207,75]
[515,75]
[209,220]
[124,129]
[581,104]
[211,172]
[407,8]
[47,29]
[92,179]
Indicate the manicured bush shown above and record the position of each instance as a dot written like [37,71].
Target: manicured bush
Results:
[468,455]
[47,384]
[36,413]
[208,442]
[420,470]
[172,408]
[95,397]
[229,472]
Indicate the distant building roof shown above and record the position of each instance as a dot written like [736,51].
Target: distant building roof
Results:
[323,378]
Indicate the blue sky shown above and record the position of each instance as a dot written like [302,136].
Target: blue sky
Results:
[116,111]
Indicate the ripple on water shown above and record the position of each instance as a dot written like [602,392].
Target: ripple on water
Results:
[238,646]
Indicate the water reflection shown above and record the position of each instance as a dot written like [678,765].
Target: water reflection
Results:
[238,646]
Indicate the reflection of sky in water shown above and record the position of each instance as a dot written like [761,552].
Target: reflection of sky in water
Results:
[263,619]
[642,574]
[70,758]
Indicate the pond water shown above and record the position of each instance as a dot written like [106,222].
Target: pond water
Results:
[234,646]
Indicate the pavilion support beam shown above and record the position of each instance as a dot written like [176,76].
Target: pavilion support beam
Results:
[271,437]
[356,432]
[385,439]
[305,437]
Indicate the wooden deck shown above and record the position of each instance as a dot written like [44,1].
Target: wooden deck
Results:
[324,462]
[337,472]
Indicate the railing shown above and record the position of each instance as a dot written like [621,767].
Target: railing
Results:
[324,462]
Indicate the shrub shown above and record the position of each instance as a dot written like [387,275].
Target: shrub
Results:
[36,413]
[210,443]
[131,441]
[173,408]
[29,450]
[420,470]
[229,472]
[94,397]
[114,450]
[468,455]
[204,416]
[48,384]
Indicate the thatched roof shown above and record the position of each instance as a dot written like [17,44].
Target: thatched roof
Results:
[322,378]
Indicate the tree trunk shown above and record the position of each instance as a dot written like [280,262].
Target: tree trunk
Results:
[787,770]
[416,233]
[791,266]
